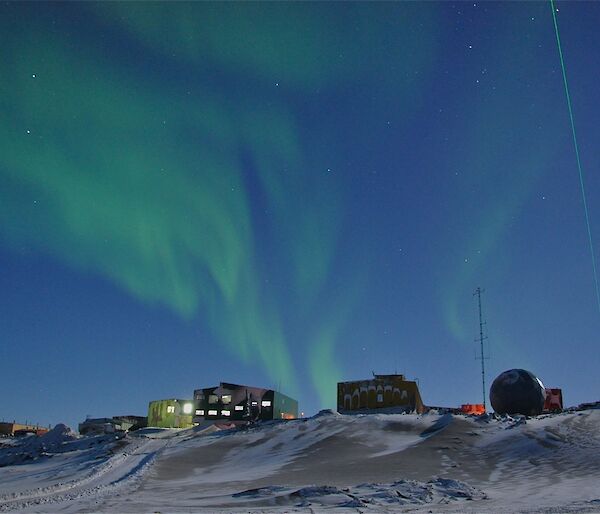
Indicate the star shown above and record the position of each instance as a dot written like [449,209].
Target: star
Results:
[33,76]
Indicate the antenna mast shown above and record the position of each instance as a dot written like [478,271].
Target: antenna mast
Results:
[482,357]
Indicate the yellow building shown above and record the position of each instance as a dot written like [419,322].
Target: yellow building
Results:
[172,413]
[19,428]
[380,392]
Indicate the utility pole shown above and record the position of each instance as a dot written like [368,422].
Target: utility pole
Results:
[477,293]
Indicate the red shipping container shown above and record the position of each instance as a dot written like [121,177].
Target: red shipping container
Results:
[554,400]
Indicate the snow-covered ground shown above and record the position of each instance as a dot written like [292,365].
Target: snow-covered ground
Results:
[328,463]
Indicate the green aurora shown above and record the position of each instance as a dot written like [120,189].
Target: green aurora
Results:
[114,168]
[498,129]
[290,194]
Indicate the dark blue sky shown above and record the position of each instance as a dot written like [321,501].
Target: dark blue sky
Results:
[288,195]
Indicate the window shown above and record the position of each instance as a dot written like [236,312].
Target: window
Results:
[239,407]
[213,398]
[212,412]
[199,412]
[187,408]
[254,404]
[200,396]
[170,409]
[226,398]
[265,403]
[225,413]
[379,398]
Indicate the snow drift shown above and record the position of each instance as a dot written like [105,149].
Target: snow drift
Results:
[371,463]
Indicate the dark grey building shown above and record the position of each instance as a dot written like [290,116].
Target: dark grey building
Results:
[93,426]
[242,403]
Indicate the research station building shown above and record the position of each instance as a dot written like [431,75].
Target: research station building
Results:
[389,392]
[242,403]
[172,413]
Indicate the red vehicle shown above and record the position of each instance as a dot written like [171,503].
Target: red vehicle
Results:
[554,400]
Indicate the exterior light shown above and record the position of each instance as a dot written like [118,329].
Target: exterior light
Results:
[239,407]
[187,408]
[199,412]
[226,413]
[265,403]
[212,412]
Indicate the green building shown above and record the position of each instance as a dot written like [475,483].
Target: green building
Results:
[170,413]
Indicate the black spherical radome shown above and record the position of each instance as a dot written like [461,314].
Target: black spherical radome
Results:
[517,391]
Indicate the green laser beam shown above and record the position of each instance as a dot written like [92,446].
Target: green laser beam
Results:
[581,182]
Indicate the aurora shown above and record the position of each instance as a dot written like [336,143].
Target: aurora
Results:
[291,193]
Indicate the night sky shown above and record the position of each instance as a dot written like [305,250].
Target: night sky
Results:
[287,195]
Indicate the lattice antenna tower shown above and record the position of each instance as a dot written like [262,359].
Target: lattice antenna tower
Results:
[480,339]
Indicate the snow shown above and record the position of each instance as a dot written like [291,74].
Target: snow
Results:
[329,463]
[368,495]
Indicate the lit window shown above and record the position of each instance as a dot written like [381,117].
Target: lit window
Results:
[226,398]
[199,412]
[239,407]
[187,408]
[213,398]
[254,403]
[266,403]
[225,413]
[379,398]
[170,409]
[212,412]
